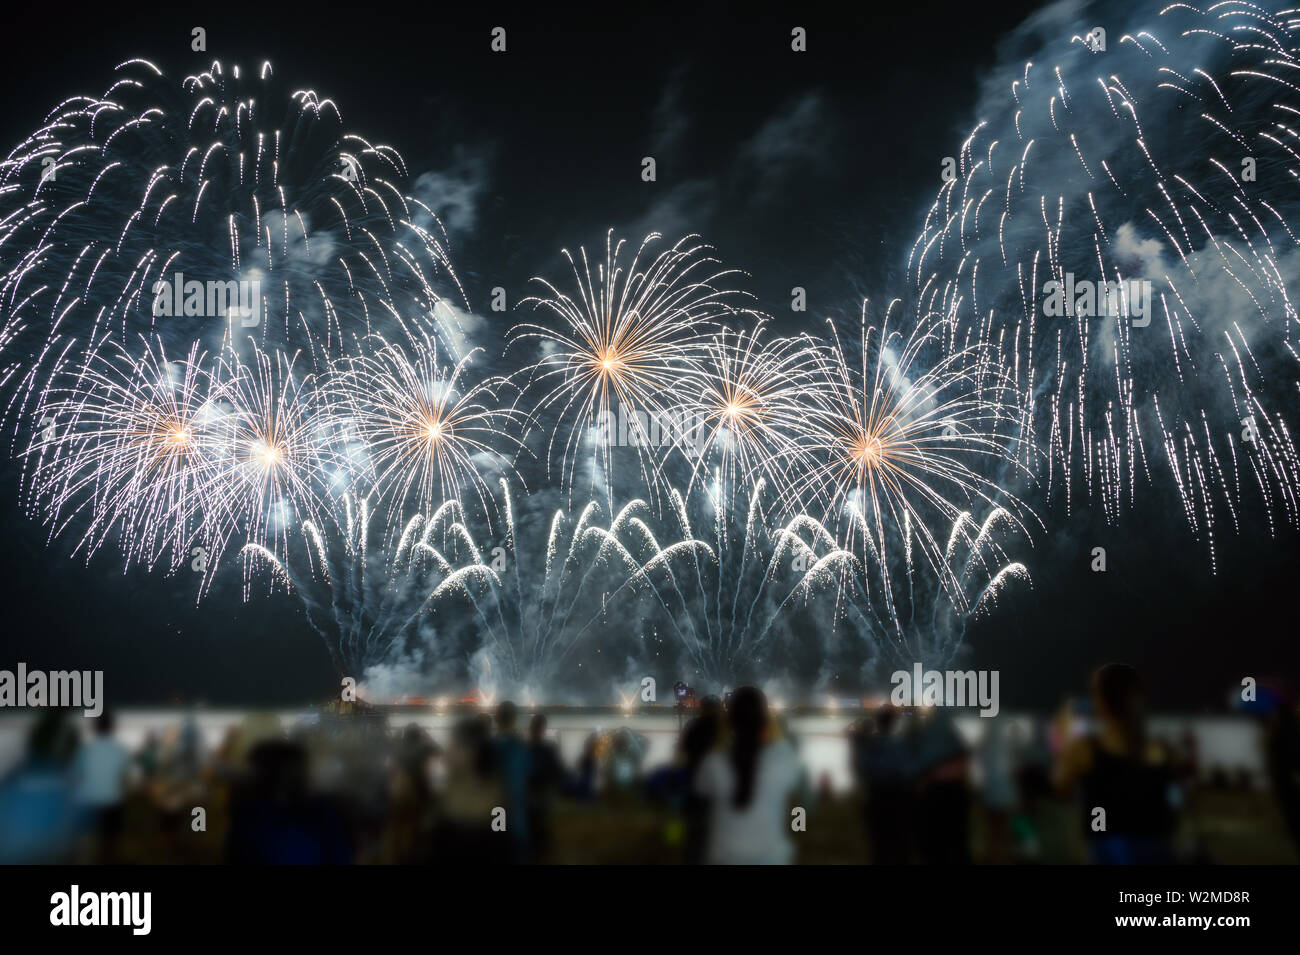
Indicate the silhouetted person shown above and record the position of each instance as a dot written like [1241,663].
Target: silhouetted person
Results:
[748,784]
[413,797]
[1118,770]
[190,753]
[998,789]
[149,756]
[464,835]
[101,774]
[698,739]
[545,779]
[942,810]
[513,767]
[414,754]
[584,784]
[37,812]
[275,820]
[623,766]
[1282,754]
[885,771]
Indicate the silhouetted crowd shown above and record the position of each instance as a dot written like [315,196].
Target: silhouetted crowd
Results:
[342,788]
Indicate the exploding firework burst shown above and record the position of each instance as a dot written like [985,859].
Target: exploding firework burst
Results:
[539,609]
[225,328]
[216,190]
[125,452]
[1120,231]
[275,461]
[910,432]
[168,456]
[628,339]
[425,433]
[751,412]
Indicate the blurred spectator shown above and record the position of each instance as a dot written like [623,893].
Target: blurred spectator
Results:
[623,767]
[698,739]
[411,822]
[463,835]
[584,784]
[1118,770]
[149,757]
[101,777]
[1033,763]
[748,785]
[883,767]
[1282,754]
[545,780]
[37,810]
[1032,766]
[189,755]
[825,787]
[997,790]
[344,787]
[942,819]
[513,769]
[276,820]
[415,752]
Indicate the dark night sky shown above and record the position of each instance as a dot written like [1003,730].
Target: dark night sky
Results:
[548,140]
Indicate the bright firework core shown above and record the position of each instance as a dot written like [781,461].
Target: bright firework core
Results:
[868,452]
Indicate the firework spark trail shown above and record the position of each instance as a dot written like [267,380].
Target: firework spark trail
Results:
[126,445]
[731,601]
[625,344]
[222,179]
[911,612]
[164,456]
[349,403]
[157,191]
[905,437]
[365,602]
[725,599]
[1167,158]
[749,406]
[537,607]
[424,433]
[274,459]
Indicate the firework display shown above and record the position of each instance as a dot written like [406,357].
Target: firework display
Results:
[232,330]
[327,433]
[538,610]
[212,213]
[726,594]
[421,425]
[905,435]
[626,344]
[453,436]
[364,599]
[1119,229]
[748,411]
[218,208]
[918,611]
